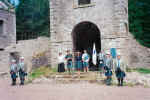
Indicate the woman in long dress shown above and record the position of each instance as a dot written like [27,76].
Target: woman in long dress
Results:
[61,65]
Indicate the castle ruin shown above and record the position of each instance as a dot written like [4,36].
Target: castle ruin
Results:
[77,24]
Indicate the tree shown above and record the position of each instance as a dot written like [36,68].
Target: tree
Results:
[33,17]
[139,19]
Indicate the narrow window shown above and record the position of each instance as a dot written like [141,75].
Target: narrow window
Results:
[84,2]
[1,27]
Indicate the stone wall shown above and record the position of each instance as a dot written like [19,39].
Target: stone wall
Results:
[8,36]
[26,48]
[139,56]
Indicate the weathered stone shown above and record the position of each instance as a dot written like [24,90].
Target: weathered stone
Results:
[7,34]
[111,18]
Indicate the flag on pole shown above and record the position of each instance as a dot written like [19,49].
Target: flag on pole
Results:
[94,55]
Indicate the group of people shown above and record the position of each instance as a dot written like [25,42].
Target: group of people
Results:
[17,68]
[81,62]
[78,61]
[106,64]
[111,66]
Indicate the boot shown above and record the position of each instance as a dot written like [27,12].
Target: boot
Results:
[121,82]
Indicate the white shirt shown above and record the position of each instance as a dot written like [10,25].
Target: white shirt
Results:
[61,59]
[13,67]
[21,66]
[84,56]
[101,56]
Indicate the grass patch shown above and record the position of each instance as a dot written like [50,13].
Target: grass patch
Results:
[143,70]
[129,69]
[42,71]
[140,70]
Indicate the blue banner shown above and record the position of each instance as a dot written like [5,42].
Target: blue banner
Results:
[113,52]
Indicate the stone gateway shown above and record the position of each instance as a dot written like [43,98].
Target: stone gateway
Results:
[77,24]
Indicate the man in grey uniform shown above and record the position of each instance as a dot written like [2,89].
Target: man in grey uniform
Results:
[21,69]
[108,68]
[120,69]
[13,71]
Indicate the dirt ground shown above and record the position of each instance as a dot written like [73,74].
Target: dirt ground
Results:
[74,91]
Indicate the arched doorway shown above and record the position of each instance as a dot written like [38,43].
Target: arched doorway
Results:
[84,35]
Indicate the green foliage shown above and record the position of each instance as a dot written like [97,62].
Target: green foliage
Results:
[143,70]
[33,17]
[139,19]
[42,71]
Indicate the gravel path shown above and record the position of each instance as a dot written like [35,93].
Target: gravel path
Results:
[76,91]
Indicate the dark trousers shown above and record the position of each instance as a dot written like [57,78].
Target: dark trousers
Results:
[22,75]
[13,77]
[14,81]
[120,76]
[120,81]
[61,67]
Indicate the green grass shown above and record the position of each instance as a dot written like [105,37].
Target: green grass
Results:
[140,70]
[129,69]
[42,71]
[143,70]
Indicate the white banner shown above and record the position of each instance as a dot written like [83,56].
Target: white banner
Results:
[94,55]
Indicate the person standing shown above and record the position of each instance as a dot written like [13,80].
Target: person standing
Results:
[85,59]
[61,65]
[21,69]
[101,58]
[108,68]
[78,61]
[69,59]
[120,70]
[13,71]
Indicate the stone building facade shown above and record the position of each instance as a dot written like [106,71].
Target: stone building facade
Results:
[7,33]
[77,24]
[7,26]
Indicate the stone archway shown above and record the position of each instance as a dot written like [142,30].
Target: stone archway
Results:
[84,35]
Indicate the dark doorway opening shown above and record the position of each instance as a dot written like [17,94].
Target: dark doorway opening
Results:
[84,35]
[1,27]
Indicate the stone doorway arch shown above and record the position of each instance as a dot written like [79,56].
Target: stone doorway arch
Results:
[84,35]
